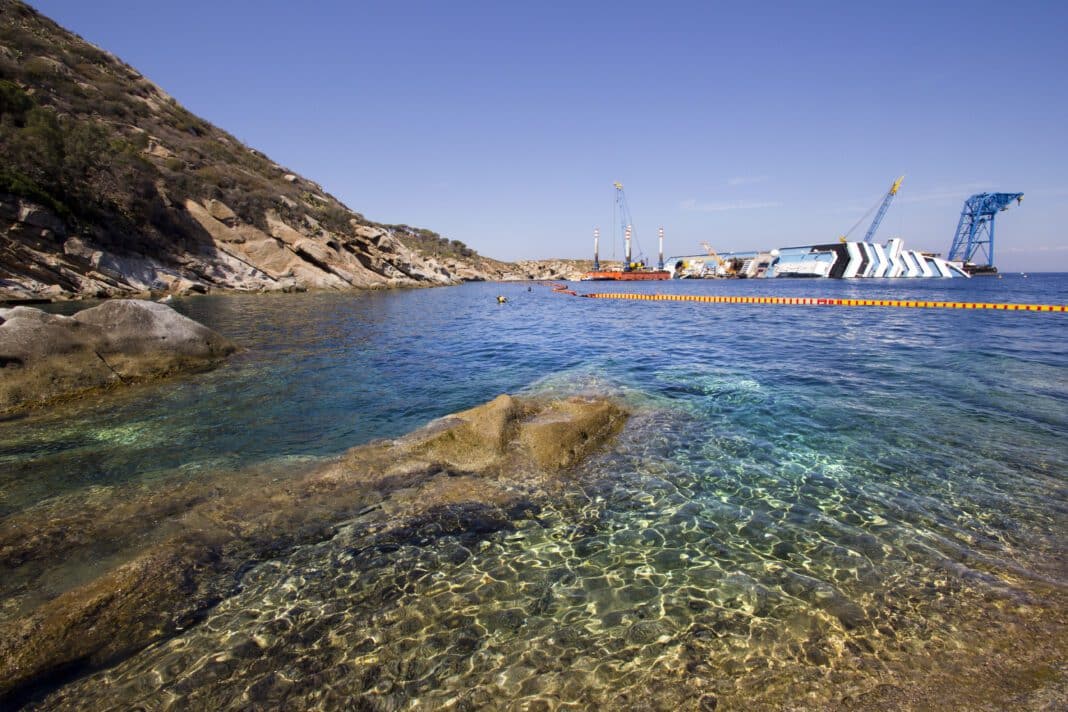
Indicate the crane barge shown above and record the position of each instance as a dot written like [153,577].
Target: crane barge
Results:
[632,271]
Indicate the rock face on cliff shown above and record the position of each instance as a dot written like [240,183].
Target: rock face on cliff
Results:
[108,187]
[44,357]
[552,269]
[468,475]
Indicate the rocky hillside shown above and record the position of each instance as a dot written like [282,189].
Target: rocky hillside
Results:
[109,187]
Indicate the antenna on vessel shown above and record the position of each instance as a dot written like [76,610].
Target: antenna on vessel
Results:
[596,240]
[660,262]
[626,268]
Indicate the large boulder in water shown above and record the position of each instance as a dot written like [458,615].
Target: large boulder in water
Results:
[566,431]
[466,475]
[509,432]
[44,356]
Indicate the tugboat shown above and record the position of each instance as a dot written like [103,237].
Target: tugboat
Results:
[632,271]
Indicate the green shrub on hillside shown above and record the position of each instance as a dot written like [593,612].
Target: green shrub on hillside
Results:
[75,166]
[14,102]
[431,243]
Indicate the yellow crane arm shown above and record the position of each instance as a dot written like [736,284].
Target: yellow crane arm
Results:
[712,253]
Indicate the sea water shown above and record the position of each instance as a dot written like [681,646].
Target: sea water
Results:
[811,506]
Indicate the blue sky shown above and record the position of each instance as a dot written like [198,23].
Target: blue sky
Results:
[744,124]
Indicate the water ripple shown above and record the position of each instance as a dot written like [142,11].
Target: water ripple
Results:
[810,507]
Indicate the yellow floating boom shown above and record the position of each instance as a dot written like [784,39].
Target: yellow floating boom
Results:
[829,302]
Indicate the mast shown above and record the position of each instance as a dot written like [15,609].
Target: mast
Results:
[622,211]
[660,261]
[596,239]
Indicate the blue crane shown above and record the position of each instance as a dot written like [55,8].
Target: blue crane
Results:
[878,215]
[882,209]
[975,231]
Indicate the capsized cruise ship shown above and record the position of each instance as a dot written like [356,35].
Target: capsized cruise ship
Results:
[839,260]
[857,259]
[864,259]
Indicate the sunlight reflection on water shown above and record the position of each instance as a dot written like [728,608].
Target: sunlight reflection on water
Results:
[809,503]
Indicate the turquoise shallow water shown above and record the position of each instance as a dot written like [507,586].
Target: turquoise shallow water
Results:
[808,502]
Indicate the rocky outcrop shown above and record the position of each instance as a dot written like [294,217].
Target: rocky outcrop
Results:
[44,357]
[41,261]
[468,475]
[482,269]
[571,270]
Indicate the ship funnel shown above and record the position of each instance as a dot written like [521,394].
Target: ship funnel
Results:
[660,262]
[596,240]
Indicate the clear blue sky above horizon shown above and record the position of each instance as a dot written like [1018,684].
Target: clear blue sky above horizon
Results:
[747,125]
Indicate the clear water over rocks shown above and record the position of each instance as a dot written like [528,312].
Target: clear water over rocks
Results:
[811,508]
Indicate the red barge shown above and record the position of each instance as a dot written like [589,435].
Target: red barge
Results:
[633,275]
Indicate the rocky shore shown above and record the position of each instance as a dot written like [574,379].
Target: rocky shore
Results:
[42,259]
[469,474]
[47,357]
[110,188]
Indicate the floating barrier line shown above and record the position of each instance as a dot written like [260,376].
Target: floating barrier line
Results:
[563,289]
[814,301]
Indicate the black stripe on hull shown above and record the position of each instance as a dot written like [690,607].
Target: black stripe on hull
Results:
[863,259]
[841,261]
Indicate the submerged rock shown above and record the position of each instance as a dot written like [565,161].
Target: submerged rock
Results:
[45,357]
[467,475]
[154,595]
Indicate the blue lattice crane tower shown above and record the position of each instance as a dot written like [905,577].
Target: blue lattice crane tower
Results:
[975,231]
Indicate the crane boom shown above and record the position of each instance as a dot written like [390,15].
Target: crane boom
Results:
[626,224]
[882,209]
[712,253]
